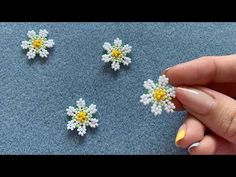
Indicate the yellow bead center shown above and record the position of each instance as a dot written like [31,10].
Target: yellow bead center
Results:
[37,43]
[159,94]
[81,117]
[116,53]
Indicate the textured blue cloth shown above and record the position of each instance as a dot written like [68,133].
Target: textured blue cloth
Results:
[34,94]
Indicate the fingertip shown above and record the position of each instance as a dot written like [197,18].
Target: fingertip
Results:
[180,135]
[207,146]
[178,105]
[193,146]
[174,74]
[194,132]
[165,71]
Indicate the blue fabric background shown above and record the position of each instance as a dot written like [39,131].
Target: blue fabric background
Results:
[35,94]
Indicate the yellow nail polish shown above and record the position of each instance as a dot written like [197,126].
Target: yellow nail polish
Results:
[180,136]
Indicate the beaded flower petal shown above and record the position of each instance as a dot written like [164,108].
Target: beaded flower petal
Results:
[37,44]
[117,54]
[159,95]
[81,117]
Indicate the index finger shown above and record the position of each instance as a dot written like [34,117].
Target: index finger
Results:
[202,71]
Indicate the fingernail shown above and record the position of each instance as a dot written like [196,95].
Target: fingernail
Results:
[181,134]
[195,100]
[193,146]
[165,71]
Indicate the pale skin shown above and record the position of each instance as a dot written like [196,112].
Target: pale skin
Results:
[206,89]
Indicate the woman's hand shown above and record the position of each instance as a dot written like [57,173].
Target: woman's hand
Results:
[206,88]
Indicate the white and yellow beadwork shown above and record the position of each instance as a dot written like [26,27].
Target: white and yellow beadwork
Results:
[37,44]
[81,117]
[159,95]
[117,54]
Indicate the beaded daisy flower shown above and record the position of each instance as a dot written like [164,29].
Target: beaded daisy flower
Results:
[117,54]
[37,44]
[81,117]
[159,95]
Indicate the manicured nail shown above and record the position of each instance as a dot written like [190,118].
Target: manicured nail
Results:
[193,146]
[195,100]
[165,71]
[181,134]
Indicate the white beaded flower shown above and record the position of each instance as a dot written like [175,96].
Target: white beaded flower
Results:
[159,95]
[81,117]
[117,54]
[37,44]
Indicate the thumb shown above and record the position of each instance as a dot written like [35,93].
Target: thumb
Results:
[215,110]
